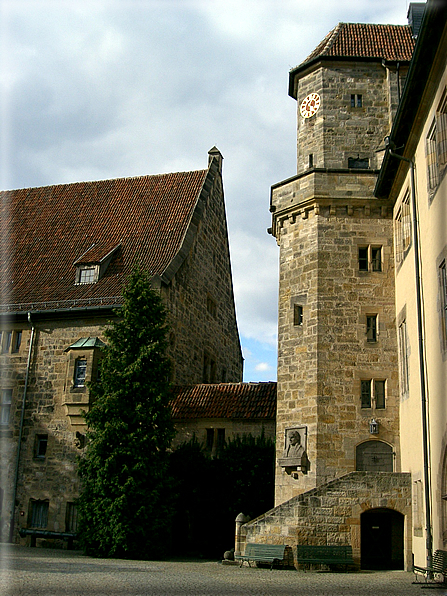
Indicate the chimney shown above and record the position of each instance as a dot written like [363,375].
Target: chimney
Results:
[415,15]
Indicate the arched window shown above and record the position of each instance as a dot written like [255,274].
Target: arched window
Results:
[374,456]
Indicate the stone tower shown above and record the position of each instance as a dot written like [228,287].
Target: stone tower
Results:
[338,387]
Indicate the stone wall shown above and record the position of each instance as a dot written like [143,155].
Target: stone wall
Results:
[331,514]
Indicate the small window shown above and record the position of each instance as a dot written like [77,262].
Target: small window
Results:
[370,258]
[209,369]
[379,394]
[311,160]
[363,259]
[41,446]
[371,328]
[297,314]
[87,275]
[80,372]
[71,518]
[17,341]
[358,164]
[5,406]
[356,101]
[366,394]
[39,514]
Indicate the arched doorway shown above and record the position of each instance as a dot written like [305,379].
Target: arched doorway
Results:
[374,456]
[382,539]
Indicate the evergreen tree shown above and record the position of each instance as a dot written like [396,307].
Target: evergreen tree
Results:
[125,504]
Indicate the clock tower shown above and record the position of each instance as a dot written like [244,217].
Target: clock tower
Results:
[338,391]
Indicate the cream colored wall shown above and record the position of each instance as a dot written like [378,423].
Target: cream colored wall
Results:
[433,241]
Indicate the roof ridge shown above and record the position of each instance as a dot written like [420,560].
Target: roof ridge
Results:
[121,178]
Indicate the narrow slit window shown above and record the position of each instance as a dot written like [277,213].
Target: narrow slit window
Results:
[371,328]
[366,394]
[80,372]
[297,314]
[379,394]
[363,258]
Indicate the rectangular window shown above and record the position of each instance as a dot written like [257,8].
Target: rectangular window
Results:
[211,306]
[71,518]
[41,446]
[403,229]
[356,100]
[5,406]
[431,155]
[443,282]
[371,328]
[80,372]
[403,358]
[17,341]
[87,275]
[379,394]
[6,341]
[39,514]
[209,438]
[366,394]
[220,438]
[370,258]
[297,314]
[363,258]
[376,258]
[441,124]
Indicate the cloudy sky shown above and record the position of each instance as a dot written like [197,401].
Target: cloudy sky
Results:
[112,88]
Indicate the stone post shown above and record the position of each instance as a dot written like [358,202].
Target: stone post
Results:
[240,520]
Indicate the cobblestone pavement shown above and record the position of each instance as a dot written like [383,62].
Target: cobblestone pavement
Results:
[45,572]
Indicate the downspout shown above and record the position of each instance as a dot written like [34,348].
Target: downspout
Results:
[19,443]
[422,375]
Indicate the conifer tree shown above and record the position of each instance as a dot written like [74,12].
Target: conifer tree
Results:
[125,504]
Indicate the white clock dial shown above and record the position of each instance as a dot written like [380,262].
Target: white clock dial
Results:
[309,106]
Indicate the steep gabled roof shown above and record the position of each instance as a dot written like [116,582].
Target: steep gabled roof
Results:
[361,41]
[47,231]
[225,400]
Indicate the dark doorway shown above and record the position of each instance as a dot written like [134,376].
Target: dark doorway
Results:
[382,539]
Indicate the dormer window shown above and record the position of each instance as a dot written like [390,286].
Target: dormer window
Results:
[87,275]
[92,264]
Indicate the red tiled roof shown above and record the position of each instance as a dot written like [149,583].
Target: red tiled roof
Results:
[360,40]
[45,230]
[225,400]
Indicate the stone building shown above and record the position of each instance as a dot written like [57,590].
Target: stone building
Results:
[216,413]
[338,376]
[418,150]
[67,251]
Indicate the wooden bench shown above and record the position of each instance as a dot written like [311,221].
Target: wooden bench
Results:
[337,554]
[68,536]
[438,567]
[262,553]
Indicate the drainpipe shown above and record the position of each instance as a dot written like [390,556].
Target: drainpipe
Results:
[425,435]
[19,443]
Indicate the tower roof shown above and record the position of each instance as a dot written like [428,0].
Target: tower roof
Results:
[360,41]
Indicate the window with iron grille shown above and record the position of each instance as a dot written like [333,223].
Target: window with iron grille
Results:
[431,155]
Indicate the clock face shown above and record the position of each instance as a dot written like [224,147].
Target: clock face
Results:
[310,104]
